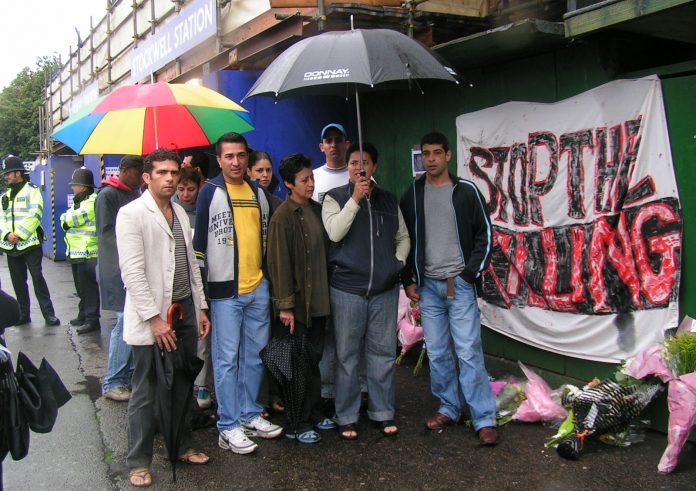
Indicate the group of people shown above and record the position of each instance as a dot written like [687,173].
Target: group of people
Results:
[324,264]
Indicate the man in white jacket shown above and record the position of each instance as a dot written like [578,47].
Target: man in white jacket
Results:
[159,269]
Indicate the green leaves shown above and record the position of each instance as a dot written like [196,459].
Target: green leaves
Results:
[19,109]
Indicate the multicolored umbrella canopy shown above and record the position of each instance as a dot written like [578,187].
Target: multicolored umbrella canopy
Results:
[137,119]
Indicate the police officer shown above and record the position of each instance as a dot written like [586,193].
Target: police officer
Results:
[80,227]
[21,236]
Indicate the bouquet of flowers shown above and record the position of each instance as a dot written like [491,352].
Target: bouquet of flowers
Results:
[673,362]
[410,330]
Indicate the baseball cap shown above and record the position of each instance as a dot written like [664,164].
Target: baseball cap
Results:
[129,161]
[337,126]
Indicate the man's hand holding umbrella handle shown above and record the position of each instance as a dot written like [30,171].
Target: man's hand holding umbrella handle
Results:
[165,337]
[203,326]
[362,189]
[412,292]
[287,317]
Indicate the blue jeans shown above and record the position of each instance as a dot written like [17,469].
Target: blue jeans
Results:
[120,368]
[241,328]
[449,324]
[374,320]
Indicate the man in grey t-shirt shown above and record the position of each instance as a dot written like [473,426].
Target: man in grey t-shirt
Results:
[451,239]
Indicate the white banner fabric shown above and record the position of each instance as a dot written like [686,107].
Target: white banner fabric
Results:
[584,203]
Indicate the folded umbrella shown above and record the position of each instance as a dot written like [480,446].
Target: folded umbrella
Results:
[288,360]
[175,372]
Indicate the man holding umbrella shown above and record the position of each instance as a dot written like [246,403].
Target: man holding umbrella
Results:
[21,236]
[159,271]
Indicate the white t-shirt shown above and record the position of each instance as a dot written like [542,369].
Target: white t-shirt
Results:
[327,178]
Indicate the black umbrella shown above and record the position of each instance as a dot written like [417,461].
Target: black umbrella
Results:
[359,58]
[288,360]
[175,371]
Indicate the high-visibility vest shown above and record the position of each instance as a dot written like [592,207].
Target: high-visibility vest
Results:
[21,214]
[80,226]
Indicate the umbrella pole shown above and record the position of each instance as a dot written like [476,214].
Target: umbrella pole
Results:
[154,118]
[360,142]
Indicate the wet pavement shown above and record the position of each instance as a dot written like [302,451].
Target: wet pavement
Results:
[87,447]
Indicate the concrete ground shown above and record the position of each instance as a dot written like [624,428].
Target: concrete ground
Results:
[87,447]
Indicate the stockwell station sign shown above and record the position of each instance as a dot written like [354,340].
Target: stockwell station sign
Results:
[193,25]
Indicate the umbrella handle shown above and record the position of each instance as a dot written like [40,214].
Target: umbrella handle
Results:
[172,313]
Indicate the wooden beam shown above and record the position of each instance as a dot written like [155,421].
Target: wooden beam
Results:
[615,13]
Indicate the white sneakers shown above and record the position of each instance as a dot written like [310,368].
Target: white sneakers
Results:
[237,439]
[261,427]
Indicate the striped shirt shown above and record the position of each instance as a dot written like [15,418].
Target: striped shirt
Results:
[182,283]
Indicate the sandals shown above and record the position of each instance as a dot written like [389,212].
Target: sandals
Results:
[193,457]
[348,432]
[308,437]
[388,428]
[140,477]
[325,424]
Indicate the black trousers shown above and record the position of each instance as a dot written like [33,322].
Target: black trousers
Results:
[85,278]
[142,424]
[18,264]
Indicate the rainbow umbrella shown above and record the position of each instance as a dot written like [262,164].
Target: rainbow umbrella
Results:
[137,119]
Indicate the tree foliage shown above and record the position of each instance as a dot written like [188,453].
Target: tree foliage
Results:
[19,109]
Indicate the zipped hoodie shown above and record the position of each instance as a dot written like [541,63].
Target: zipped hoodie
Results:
[474,230]
[215,238]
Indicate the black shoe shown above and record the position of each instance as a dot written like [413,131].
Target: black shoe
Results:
[84,329]
[23,320]
[52,320]
[77,322]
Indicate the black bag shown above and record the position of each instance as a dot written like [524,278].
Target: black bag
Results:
[14,429]
[41,393]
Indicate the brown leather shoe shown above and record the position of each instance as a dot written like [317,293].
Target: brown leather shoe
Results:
[438,421]
[488,436]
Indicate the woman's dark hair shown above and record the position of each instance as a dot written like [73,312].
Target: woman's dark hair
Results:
[367,148]
[159,155]
[257,155]
[292,165]
[191,174]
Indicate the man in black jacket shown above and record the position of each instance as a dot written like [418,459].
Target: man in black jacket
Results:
[443,272]
[116,192]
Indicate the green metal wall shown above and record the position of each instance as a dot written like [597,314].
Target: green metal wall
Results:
[395,121]
[680,105]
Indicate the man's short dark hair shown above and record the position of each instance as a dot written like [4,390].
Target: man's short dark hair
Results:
[230,137]
[367,148]
[200,160]
[435,138]
[292,165]
[159,155]
[130,161]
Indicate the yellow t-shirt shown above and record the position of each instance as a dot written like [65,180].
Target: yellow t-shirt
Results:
[247,222]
